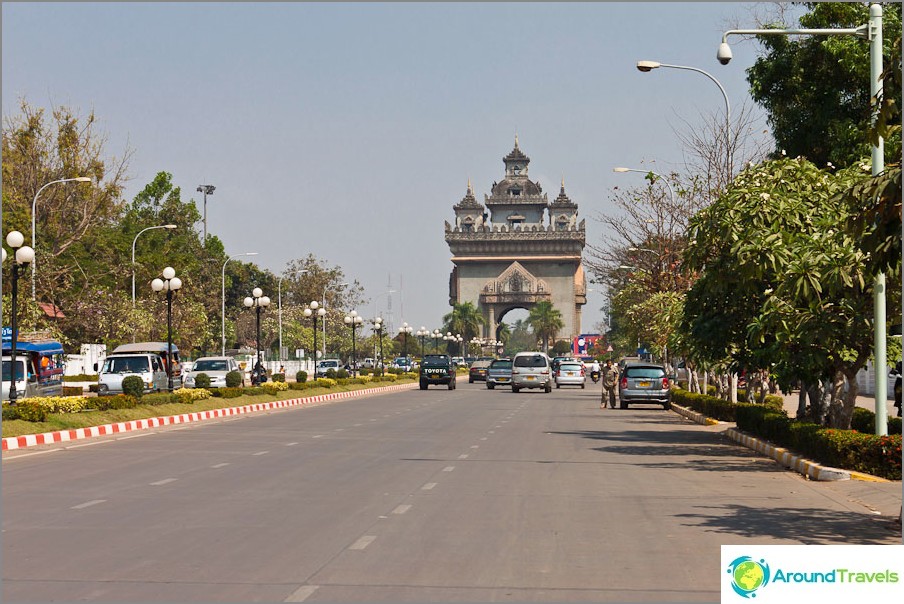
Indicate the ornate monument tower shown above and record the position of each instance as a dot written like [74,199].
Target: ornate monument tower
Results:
[522,251]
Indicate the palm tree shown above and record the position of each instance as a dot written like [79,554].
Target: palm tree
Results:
[465,319]
[546,321]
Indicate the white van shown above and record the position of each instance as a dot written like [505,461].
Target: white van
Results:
[531,370]
[149,367]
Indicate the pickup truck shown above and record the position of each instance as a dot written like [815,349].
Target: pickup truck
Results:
[437,369]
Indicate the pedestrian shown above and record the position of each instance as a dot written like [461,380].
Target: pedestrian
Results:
[897,373]
[610,381]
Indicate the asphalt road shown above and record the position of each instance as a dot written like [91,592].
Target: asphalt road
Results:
[467,495]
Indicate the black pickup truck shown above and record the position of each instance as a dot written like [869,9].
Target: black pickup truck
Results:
[437,369]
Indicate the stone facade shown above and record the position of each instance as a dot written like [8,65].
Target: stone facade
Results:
[517,249]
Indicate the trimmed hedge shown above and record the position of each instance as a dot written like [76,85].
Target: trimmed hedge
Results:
[301,377]
[226,392]
[115,401]
[202,380]
[133,386]
[864,420]
[25,410]
[233,379]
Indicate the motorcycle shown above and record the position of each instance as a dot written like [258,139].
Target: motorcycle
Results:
[595,376]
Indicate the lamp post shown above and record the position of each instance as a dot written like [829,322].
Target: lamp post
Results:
[378,326]
[475,342]
[34,204]
[353,320]
[279,307]
[24,256]
[314,310]
[871,31]
[134,241]
[324,318]
[258,301]
[404,330]
[647,66]
[223,310]
[206,190]
[437,334]
[422,334]
[169,283]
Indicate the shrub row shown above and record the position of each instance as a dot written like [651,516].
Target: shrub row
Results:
[715,407]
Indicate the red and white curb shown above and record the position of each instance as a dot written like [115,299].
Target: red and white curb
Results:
[31,440]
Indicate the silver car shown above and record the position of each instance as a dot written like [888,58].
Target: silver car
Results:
[531,370]
[216,369]
[644,383]
[570,373]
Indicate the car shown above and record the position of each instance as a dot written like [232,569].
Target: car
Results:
[437,369]
[531,370]
[118,366]
[404,363]
[216,369]
[644,383]
[499,373]
[368,363]
[558,360]
[458,361]
[478,371]
[570,373]
[325,365]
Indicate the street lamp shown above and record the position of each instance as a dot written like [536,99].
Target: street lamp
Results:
[279,307]
[437,334]
[647,66]
[223,310]
[34,204]
[378,326]
[24,256]
[324,318]
[404,330]
[422,334]
[206,190]
[871,31]
[663,178]
[314,310]
[353,320]
[169,283]
[134,241]
[258,301]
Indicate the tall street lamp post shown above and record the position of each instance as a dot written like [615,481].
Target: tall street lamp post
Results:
[314,310]
[422,335]
[206,190]
[404,330]
[223,309]
[353,320]
[437,334]
[871,31]
[24,256]
[378,326]
[34,205]
[134,241]
[341,285]
[169,283]
[258,301]
[279,308]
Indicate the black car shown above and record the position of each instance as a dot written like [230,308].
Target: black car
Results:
[437,369]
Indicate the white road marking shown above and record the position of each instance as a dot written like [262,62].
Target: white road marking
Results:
[220,465]
[291,444]
[363,542]
[302,593]
[163,482]
[401,509]
[429,486]
[260,453]
[358,425]
[87,504]
[318,436]
[464,456]
[339,430]
[483,438]
[448,468]
[133,436]
[475,446]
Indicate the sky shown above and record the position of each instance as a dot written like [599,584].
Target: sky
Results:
[350,130]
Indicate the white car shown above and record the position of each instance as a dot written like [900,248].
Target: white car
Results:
[326,365]
[216,369]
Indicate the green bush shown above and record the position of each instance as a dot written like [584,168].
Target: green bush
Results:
[202,380]
[25,410]
[132,385]
[301,377]
[233,379]
[116,401]
[158,398]
[80,378]
[279,377]
[300,385]
[331,373]
[254,390]
[864,421]
[343,381]
[72,391]
[226,392]
[364,371]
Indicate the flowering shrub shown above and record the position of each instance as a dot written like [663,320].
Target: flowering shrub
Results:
[62,404]
[274,387]
[326,382]
[190,395]
[24,410]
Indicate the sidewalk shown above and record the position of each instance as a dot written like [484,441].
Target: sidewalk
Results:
[867,402]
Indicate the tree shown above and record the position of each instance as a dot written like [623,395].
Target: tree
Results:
[465,319]
[815,89]
[546,321]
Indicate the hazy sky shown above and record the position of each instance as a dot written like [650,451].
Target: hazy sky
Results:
[350,130]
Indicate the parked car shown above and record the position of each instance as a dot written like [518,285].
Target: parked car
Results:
[325,365]
[644,383]
[404,363]
[368,363]
[216,369]
[499,373]
[161,349]
[570,373]
[478,371]
[437,369]
[116,367]
[531,370]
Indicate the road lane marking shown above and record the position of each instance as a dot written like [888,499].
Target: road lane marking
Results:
[483,438]
[318,436]
[220,465]
[339,430]
[259,453]
[463,456]
[363,542]
[163,482]
[448,468]
[87,504]
[302,593]
[429,486]
[475,446]
[401,509]
[358,425]
[291,444]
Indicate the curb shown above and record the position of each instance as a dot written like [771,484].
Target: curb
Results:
[805,467]
[31,440]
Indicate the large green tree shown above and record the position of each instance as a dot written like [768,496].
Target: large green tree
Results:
[546,321]
[465,319]
[816,89]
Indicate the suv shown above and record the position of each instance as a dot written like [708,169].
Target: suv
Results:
[326,365]
[216,369]
[437,369]
[531,370]
[644,383]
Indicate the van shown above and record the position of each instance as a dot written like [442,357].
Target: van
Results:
[116,367]
[39,368]
[160,349]
[531,370]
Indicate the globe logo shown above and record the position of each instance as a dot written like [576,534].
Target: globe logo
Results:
[748,575]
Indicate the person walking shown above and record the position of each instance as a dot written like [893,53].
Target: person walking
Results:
[610,381]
